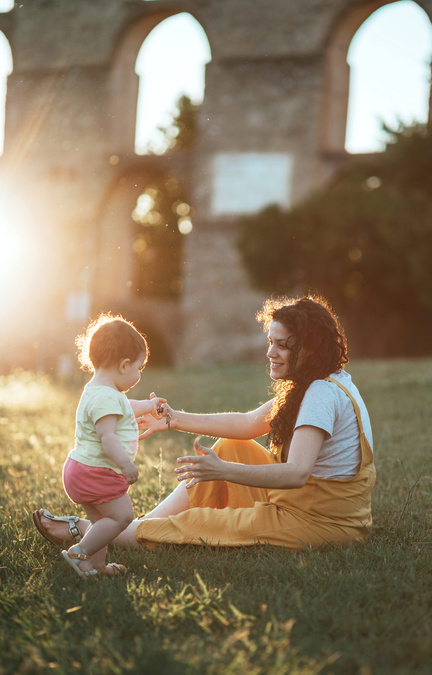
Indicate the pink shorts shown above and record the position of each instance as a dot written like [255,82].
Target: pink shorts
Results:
[92,484]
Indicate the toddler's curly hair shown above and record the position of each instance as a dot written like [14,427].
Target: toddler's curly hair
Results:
[108,340]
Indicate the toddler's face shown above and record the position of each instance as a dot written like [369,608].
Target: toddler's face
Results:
[131,373]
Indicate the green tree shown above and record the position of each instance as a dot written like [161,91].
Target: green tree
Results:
[180,133]
[162,217]
[365,242]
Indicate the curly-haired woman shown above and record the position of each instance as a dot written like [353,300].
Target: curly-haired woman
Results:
[310,487]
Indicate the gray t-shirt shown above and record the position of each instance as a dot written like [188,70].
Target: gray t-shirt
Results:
[327,407]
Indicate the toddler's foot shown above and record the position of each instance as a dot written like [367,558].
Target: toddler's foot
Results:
[80,563]
[80,560]
[113,569]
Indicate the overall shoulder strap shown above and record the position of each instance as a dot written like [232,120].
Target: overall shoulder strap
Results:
[366,450]
[352,399]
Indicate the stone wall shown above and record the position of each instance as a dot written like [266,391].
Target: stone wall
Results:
[275,101]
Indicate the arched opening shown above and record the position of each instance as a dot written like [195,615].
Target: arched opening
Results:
[5,71]
[389,59]
[140,261]
[6,5]
[161,219]
[170,64]
[336,85]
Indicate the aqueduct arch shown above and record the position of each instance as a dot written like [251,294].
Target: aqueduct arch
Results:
[274,109]
[124,81]
[336,80]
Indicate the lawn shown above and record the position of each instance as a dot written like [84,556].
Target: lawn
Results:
[262,611]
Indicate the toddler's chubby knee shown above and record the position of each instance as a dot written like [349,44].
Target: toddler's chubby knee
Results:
[125,520]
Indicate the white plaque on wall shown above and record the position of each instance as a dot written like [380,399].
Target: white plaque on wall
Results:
[247,182]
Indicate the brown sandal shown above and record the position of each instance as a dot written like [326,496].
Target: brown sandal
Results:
[71,520]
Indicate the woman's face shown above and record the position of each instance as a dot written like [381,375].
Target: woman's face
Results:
[280,345]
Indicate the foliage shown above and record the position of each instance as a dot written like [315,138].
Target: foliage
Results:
[198,611]
[162,217]
[180,133]
[364,242]
[158,242]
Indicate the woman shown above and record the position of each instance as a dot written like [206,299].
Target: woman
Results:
[311,487]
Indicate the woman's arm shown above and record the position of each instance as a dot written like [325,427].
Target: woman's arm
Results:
[236,425]
[305,446]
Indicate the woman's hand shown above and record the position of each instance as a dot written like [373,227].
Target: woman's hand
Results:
[206,466]
[152,423]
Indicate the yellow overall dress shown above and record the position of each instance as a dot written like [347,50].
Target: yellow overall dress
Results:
[322,512]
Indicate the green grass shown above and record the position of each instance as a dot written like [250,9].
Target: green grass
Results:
[262,611]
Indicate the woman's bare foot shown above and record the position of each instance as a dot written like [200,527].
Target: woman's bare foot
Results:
[59,529]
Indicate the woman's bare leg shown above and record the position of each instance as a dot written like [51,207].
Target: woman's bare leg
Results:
[176,502]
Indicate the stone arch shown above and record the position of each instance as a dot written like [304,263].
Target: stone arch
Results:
[124,82]
[334,110]
[115,229]
[171,63]
[158,317]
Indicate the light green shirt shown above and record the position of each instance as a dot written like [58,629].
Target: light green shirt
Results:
[95,403]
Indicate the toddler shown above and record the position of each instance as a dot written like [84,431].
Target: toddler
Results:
[100,468]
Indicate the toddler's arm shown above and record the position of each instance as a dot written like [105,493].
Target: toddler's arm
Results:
[106,430]
[146,406]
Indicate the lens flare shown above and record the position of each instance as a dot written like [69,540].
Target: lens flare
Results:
[18,255]
[11,244]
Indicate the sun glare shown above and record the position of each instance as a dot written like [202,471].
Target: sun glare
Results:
[18,256]
[10,248]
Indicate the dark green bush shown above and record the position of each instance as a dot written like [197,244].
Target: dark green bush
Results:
[364,242]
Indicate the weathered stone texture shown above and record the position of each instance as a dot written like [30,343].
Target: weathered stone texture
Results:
[263,28]
[277,83]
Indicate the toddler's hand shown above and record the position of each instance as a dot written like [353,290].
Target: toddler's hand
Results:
[159,410]
[131,473]
[155,406]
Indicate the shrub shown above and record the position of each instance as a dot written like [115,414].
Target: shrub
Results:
[364,242]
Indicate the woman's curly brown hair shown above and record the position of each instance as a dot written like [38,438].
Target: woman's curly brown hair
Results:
[317,329]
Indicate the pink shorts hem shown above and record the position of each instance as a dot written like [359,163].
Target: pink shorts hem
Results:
[92,484]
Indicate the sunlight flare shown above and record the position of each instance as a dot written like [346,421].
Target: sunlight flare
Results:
[18,254]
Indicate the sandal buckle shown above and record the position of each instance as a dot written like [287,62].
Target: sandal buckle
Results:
[73,529]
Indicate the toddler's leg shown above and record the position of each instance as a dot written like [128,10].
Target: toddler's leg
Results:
[175,503]
[108,520]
